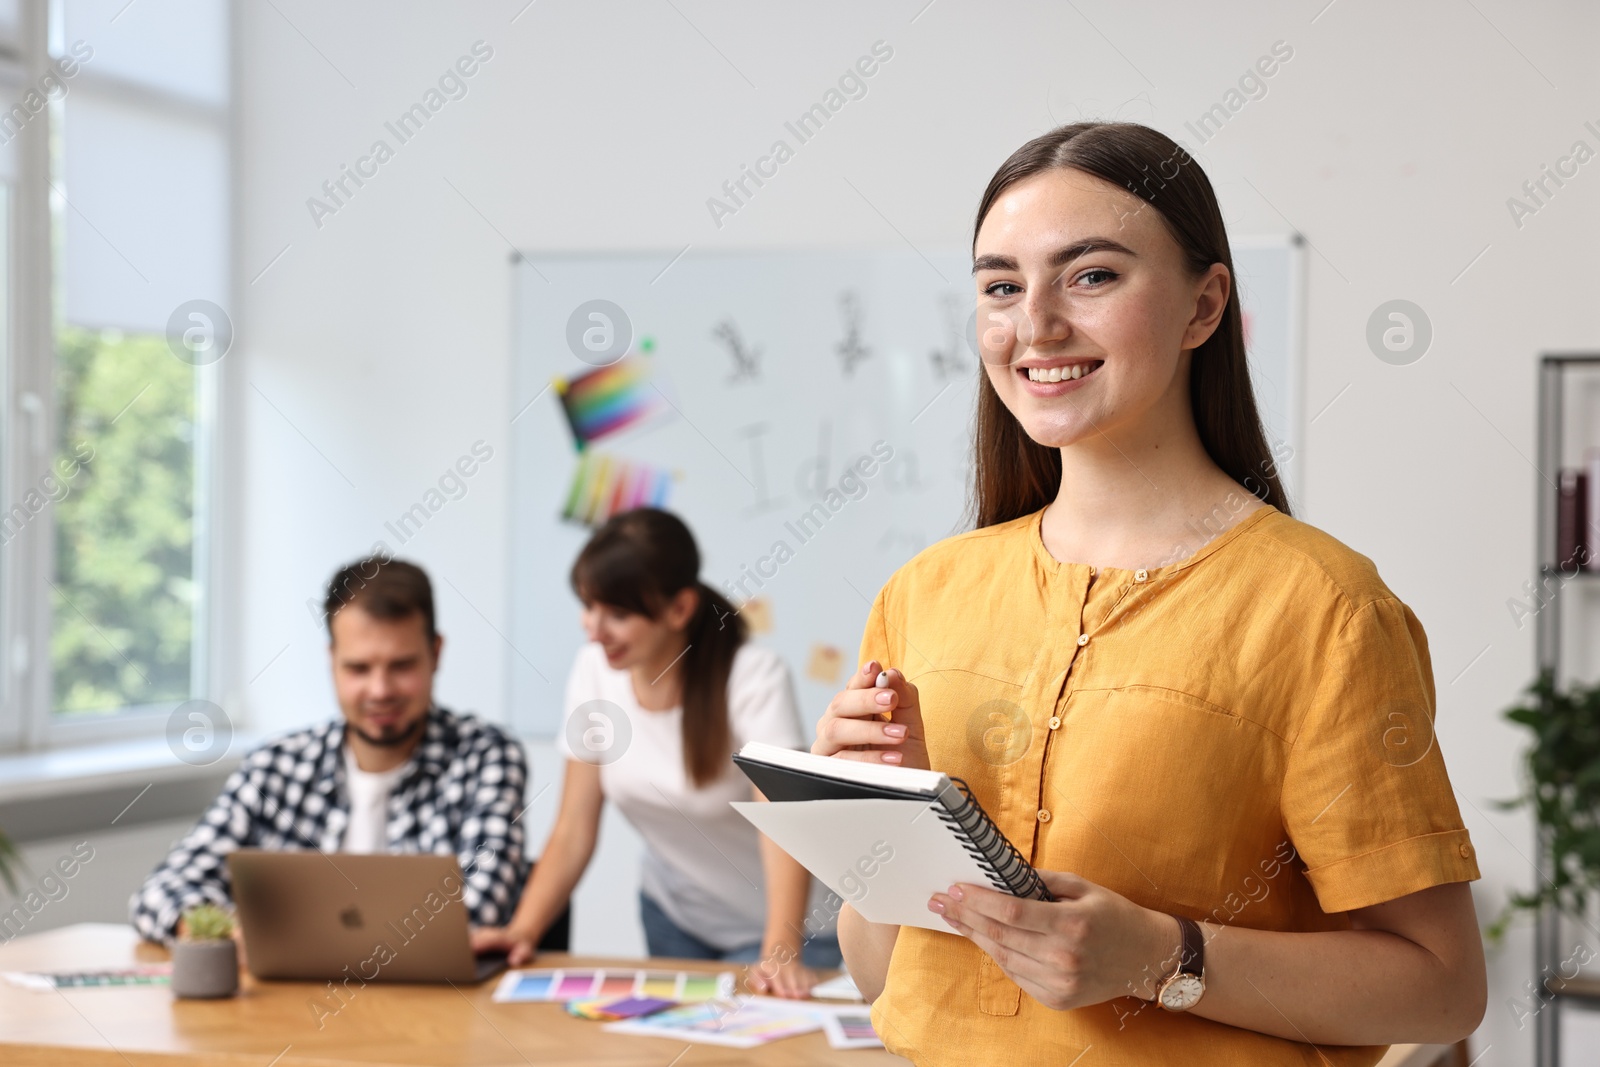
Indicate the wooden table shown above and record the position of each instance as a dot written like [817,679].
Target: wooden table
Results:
[272,1023]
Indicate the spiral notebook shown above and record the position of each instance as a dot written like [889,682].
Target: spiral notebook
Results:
[883,838]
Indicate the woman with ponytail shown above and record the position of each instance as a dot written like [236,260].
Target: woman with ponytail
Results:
[667,654]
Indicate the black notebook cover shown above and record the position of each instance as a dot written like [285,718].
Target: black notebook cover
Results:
[786,783]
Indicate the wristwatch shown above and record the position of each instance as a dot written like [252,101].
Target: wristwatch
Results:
[1183,989]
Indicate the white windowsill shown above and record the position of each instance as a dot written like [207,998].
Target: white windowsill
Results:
[116,764]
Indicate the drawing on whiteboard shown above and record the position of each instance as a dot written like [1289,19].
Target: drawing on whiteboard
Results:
[603,486]
[746,357]
[902,477]
[812,477]
[950,359]
[805,528]
[852,350]
[604,401]
[755,432]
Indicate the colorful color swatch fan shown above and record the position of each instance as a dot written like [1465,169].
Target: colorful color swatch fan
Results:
[609,399]
[604,485]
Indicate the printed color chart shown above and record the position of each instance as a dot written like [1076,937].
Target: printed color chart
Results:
[604,485]
[561,984]
[610,399]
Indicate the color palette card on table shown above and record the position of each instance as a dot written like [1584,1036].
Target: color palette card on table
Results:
[608,1009]
[588,983]
[743,1023]
[851,1029]
[149,974]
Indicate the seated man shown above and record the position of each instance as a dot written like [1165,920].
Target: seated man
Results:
[397,773]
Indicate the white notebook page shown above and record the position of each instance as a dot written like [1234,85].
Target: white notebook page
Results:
[841,841]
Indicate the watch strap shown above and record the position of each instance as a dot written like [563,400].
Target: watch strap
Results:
[1192,955]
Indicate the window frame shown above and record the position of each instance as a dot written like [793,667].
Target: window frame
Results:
[28,424]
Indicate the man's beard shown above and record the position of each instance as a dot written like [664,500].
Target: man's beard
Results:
[391,739]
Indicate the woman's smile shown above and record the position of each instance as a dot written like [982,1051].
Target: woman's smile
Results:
[1057,377]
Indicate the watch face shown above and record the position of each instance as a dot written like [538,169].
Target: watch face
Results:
[1182,992]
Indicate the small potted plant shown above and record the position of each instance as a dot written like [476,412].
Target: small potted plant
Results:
[205,960]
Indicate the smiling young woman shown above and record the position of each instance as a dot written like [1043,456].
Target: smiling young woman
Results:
[1208,724]
[664,693]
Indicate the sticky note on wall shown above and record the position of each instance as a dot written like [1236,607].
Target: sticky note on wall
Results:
[824,664]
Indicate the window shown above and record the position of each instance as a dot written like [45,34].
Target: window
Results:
[125,592]
[118,115]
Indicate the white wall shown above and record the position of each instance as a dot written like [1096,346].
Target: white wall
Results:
[117,862]
[374,351]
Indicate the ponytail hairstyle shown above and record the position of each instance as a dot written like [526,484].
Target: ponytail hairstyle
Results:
[1013,475]
[638,561]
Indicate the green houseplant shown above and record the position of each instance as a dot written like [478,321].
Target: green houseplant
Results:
[205,960]
[1562,785]
[10,862]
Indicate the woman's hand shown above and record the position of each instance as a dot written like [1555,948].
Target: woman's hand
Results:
[1089,946]
[854,726]
[781,974]
[518,946]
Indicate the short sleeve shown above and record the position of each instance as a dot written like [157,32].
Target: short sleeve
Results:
[761,699]
[583,684]
[1366,800]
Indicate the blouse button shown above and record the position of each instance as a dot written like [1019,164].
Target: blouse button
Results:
[1140,575]
[1044,815]
[1055,724]
[1083,639]
[1466,851]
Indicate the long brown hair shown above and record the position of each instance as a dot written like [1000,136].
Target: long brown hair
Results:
[638,561]
[1012,475]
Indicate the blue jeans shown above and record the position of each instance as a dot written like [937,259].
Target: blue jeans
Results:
[663,937]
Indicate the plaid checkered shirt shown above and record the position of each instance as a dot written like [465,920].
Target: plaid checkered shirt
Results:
[461,795]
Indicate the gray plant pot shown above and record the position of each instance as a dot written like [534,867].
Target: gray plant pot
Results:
[205,969]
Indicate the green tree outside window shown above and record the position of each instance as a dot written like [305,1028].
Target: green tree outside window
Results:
[124,592]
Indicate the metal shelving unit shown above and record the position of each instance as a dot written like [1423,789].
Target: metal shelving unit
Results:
[1547,946]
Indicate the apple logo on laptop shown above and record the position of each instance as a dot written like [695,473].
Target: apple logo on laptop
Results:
[351,918]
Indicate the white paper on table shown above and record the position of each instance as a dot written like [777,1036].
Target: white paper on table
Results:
[840,988]
[836,841]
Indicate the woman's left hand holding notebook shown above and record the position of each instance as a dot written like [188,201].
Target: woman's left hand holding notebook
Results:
[1087,946]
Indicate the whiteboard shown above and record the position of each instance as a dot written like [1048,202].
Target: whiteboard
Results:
[777,372]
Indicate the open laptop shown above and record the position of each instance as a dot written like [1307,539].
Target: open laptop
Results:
[379,918]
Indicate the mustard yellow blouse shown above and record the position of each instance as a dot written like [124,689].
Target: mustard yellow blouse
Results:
[1244,738]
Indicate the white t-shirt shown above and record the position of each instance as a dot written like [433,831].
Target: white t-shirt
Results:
[369,791]
[702,860]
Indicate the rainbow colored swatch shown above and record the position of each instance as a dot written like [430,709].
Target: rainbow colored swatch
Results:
[604,485]
[610,399]
[587,983]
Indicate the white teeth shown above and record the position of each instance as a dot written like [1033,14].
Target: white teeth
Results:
[1057,374]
